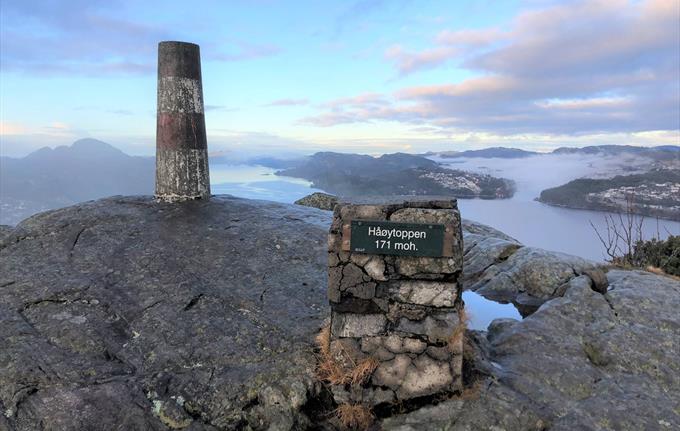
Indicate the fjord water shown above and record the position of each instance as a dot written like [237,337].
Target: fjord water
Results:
[531,222]
[553,228]
[257,182]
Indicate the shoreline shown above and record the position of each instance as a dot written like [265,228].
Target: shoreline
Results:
[606,209]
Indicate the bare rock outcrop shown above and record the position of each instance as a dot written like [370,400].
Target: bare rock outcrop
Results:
[322,201]
[126,313]
[129,314]
[583,361]
[501,268]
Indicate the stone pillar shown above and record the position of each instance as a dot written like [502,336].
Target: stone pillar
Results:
[404,312]
[181,145]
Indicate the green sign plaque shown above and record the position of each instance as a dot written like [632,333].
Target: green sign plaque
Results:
[402,239]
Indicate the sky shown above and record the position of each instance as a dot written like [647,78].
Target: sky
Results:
[365,76]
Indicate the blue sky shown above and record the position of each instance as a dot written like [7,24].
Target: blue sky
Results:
[362,76]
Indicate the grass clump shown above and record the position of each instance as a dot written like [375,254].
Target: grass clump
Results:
[363,371]
[458,333]
[348,372]
[354,416]
[330,370]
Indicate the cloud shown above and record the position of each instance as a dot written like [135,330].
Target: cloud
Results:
[242,51]
[121,111]
[408,62]
[365,99]
[76,37]
[363,15]
[588,37]
[81,37]
[414,113]
[452,45]
[355,109]
[288,102]
[470,38]
[574,68]
[356,10]
[586,104]
[57,126]
[7,128]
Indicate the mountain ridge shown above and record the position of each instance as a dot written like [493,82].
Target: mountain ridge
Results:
[662,151]
[54,177]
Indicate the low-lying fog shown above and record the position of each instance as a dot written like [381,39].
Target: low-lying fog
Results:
[536,173]
[540,225]
[531,222]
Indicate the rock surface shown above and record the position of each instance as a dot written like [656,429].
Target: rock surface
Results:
[499,267]
[128,314]
[322,201]
[584,361]
[5,230]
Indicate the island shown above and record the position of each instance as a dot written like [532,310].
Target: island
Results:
[394,174]
[655,193]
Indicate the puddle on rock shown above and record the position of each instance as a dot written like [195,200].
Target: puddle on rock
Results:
[482,311]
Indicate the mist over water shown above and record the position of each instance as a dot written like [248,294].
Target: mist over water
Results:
[540,225]
[536,173]
[532,223]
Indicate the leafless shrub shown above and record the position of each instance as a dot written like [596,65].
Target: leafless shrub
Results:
[622,232]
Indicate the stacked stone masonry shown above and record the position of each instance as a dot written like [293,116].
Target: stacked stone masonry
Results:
[403,311]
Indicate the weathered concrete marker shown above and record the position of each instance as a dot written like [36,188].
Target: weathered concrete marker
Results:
[181,145]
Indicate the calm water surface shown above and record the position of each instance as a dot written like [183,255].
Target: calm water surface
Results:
[257,182]
[531,222]
[545,226]
[482,311]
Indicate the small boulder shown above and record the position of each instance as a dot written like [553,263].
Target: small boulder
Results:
[322,201]
[599,279]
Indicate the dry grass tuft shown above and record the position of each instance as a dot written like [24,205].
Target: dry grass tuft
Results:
[354,416]
[472,392]
[659,271]
[459,331]
[323,340]
[363,370]
[329,370]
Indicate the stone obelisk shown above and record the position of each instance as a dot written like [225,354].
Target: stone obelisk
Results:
[181,145]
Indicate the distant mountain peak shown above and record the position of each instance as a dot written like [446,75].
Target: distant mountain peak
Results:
[511,153]
[492,152]
[86,147]
[54,177]
[93,146]
[89,142]
[611,149]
